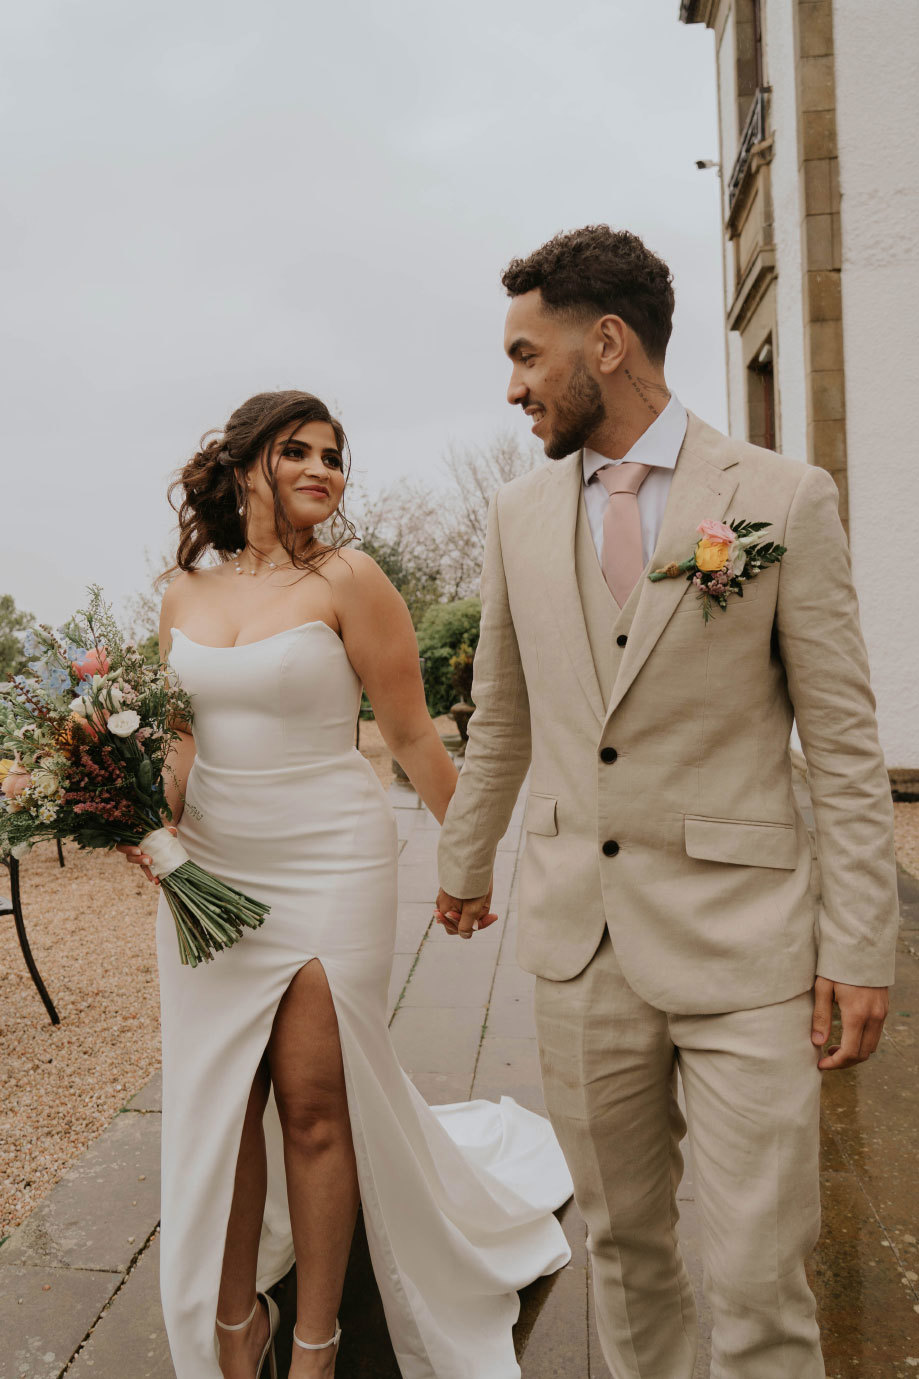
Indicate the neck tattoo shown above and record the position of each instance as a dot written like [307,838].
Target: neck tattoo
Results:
[644,386]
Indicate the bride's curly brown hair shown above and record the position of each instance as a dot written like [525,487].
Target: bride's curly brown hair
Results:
[212,484]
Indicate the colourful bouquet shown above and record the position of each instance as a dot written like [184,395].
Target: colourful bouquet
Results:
[84,740]
[723,559]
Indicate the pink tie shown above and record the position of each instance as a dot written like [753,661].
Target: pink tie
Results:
[623,559]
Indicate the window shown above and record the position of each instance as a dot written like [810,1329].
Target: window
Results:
[761,398]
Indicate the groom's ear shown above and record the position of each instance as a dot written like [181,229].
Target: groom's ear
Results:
[611,343]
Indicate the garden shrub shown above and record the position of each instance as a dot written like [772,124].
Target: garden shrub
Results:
[448,633]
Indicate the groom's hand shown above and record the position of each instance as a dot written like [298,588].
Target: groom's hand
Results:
[862,1009]
[464,917]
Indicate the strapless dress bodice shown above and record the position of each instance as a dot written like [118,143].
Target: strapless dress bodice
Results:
[285,701]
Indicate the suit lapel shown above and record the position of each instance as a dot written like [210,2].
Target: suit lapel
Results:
[554,529]
[700,488]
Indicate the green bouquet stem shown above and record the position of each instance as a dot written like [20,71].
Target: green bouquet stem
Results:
[209,915]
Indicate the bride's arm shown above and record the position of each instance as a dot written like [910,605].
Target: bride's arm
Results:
[181,754]
[381,645]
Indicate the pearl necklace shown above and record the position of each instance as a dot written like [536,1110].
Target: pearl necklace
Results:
[272,565]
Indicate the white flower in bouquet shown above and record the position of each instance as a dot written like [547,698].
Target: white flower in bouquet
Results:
[45,782]
[124,724]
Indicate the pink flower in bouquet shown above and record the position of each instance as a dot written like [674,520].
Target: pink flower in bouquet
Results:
[95,662]
[15,781]
[94,725]
[717,531]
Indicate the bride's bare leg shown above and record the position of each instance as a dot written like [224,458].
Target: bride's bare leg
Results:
[309,1087]
[239,1350]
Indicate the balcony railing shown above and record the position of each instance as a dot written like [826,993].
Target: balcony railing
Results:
[754,132]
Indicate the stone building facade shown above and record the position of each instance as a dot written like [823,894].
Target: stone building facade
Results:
[819,167]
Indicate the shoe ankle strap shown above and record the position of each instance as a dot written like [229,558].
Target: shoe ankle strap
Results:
[324,1345]
[239,1326]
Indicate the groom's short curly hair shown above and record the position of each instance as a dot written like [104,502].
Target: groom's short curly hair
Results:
[603,271]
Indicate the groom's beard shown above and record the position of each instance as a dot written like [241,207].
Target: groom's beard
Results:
[580,411]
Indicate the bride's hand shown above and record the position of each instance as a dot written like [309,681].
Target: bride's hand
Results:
[132,853]
[464,917]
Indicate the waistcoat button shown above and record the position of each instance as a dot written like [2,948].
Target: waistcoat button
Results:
[621,639]
[610,848]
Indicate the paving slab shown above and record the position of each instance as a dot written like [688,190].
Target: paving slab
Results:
[413,923]
[551,1336]
[513,1057]
[510,1010]
[908,887]
[150,1096]
[443,1089]
[443,1039]
[103,1209]
[402,797]
[45,1314]
[129,1339]
[418,882]
[868,1324]
[452,974]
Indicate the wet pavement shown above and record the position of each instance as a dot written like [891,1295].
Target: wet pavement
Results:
[78,1280]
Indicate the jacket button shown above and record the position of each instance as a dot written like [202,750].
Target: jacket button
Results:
[608,754]
[610,848]
[621,639]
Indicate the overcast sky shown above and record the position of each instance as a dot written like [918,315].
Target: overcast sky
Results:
[206,198]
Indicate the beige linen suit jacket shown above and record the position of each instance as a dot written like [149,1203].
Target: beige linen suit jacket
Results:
[705,881]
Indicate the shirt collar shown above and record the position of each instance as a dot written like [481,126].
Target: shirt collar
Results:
[658,446]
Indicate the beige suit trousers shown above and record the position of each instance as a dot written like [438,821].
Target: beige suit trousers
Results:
[609,1063]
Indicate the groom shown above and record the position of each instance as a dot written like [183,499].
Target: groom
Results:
[667,905]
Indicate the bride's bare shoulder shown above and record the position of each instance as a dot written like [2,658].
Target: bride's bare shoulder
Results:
[188,585]
[347,564]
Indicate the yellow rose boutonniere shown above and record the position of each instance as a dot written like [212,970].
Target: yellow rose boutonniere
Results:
[724,558]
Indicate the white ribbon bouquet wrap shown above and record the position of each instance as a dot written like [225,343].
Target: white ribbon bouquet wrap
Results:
[165,851]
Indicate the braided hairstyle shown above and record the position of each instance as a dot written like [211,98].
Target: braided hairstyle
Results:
[212,484]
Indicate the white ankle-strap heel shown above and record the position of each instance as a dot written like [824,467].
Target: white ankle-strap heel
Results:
[268,1353]
[323,1345]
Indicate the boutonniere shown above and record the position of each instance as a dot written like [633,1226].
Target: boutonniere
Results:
[724,558]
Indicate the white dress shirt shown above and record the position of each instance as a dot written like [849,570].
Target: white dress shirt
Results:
[658,447]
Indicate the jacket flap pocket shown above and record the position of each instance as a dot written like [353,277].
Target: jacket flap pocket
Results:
[540,816]
[743,842]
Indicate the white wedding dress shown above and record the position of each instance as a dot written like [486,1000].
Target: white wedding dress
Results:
[457,1200]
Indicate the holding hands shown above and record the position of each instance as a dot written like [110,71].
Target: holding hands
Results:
[464,917]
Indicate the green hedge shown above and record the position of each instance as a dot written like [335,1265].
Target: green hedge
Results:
[442,632]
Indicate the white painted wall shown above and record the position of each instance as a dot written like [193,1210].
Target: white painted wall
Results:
[727,99]
[878,115]
[779,45]
[730,139]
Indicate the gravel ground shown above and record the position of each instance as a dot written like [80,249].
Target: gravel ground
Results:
[90,927]
[906,828]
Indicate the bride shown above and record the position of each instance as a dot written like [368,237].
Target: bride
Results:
[283,1103]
